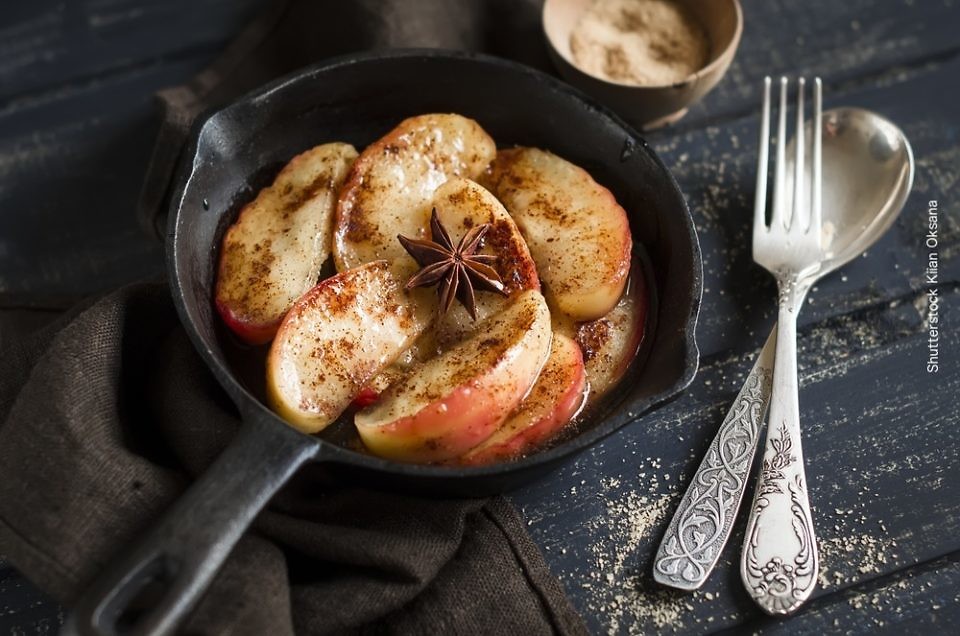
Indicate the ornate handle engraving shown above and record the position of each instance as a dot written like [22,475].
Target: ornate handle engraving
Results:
[701,526]
[779,563]
[780,587]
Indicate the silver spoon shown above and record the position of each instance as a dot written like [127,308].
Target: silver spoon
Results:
[867,175]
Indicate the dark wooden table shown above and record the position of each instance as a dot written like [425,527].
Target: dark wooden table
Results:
[880,433]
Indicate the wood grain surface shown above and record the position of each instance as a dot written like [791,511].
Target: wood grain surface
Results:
[880,434]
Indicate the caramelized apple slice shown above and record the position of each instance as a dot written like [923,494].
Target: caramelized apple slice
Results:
[273,253]
[390,187]
[610,344]
[554,400]
[370,393]
[577,232]
[336,338]
[453,402]
[461,205]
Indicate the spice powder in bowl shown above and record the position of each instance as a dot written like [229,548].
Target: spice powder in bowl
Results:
[639,42]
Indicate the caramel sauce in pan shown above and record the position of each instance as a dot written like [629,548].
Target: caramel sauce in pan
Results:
[249,365]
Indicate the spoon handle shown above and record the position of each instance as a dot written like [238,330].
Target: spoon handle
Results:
[702,523]
[779,563]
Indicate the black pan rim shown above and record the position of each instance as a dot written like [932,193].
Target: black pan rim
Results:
[626,412]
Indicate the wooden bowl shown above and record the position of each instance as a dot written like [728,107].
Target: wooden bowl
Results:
[648,106]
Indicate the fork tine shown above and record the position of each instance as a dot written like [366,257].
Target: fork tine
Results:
[779,195]
[815,204]
[760,200]
[795,222]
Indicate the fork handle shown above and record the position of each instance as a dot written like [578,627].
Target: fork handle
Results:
[779,564]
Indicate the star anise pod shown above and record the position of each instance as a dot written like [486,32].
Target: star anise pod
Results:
[459,270]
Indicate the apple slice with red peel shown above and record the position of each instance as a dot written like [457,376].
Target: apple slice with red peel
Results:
[578,234]
[337,337]
[555,399]
[390,187]
[453,402]
[274,251]
[462,204]
[370,393]
[610,344]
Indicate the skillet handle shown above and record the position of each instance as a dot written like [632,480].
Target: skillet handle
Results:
[153,587]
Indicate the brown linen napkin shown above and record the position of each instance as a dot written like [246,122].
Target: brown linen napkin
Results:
[108,414]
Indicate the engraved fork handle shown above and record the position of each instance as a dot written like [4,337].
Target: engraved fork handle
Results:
[702,523]
[779,563]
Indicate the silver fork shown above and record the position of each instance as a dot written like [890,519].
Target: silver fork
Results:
[779,564]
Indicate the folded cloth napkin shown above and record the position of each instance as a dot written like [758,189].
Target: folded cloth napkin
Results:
[109,413]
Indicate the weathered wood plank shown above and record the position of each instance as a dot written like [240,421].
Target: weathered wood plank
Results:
[838,40]
[716,170]
[47,43]
[876,427]
[921,600]
[70,175]
[76,133]
[23,608]
[843,42]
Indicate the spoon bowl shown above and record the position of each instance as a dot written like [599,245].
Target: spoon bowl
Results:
[867,175]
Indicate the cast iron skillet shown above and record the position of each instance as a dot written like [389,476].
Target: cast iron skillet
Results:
[357,99]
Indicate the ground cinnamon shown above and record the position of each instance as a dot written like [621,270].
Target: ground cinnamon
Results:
[645,42]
